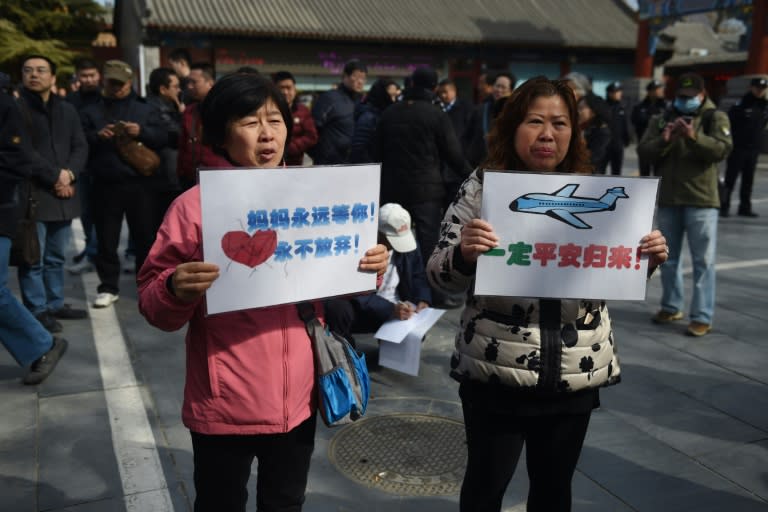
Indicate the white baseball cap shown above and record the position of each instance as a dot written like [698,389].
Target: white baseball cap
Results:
[395,224]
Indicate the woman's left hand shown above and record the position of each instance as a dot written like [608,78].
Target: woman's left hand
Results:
[655,246]
[375,260]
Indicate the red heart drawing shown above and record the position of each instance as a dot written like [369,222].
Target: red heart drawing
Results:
[250,250]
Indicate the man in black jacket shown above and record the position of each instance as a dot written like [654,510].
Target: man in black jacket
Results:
[460,114]
[748,120]
[118,189]
[334,115]
[21,334]
[58,154]
[653,104]
[413,139]
[619,128]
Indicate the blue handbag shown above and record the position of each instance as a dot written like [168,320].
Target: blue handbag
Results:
[343,383]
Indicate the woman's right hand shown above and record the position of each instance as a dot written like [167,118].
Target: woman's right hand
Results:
[477,237]
[192,279]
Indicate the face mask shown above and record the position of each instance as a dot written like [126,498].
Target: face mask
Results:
[687,105]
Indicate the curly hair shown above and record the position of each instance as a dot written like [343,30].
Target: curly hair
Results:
[501,139]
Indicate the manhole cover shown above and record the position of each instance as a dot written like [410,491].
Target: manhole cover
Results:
[405,454]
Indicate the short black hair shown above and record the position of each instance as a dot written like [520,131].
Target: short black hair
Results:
[506,74]
[248,69]
[206,68]
[37,56]
[354,65]
[180,54]
[234,97]
[283,75]
[83,64]
[160,77]
[446,81]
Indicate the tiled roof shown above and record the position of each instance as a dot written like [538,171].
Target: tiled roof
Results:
[570,23]
[696,43]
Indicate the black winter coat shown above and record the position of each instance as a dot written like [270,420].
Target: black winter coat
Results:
[643,112]
[366,119]
[748,120]
[57,143]
[598,137]
[334,115]
[169,153]
[413,139]
[104,163]
[618,125]
[13,163]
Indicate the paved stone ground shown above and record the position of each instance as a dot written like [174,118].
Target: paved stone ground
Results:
[686,430]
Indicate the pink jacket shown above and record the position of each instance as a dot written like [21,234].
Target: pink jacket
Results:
[248,372]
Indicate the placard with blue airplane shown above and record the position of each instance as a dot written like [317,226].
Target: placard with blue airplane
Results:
[566,235]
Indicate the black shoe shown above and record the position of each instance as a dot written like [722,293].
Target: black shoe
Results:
[49,322]
[79,257]
[747,213]
[66,312]
[43,367]
[724,212]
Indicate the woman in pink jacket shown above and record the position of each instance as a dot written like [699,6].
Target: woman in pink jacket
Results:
[249,390]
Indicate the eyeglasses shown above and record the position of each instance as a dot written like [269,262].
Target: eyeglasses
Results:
[41,70]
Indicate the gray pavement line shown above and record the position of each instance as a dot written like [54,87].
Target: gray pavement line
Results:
[734,265]
[141,474]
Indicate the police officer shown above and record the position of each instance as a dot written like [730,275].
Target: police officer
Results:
[748,119]
[653,104]
[619,129]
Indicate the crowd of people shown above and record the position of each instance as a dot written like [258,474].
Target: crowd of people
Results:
[72,157]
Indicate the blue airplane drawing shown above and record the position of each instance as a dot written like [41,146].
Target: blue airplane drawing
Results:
[563,205]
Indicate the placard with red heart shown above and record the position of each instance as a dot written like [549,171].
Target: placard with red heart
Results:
[250,250]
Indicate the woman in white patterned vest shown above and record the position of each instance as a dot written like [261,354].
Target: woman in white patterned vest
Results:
[529,369]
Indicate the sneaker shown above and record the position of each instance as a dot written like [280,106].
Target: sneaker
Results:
[698,329]
[104,300]
[49,322]
[66,312]
[82,267]
[666,317]
[43,367]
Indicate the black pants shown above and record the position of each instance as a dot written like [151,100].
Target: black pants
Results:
[494,441]
[646,169]
[223,467]
[616,159]
[346,317]
[426,217]
[110,203]
[743,162]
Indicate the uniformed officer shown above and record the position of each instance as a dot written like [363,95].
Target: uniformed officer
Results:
[619,129]
[653,104]
[748,119]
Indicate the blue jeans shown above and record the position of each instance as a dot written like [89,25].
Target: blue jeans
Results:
[700,225]
[20,332]
[42,285]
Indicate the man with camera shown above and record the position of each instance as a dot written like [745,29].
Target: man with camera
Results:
[684,144]
[119,187]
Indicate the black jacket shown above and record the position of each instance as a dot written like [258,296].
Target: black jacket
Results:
[169,153]
[13,163]
[460,115]
[334,115]
[598,137]
[81,99]
[478,125]
[104,163]
[618,125]
[413,138]
[366,120]
[57,143]
[413,286]
[642,113]
[748,120]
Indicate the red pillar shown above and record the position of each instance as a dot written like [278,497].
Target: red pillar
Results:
[643,59]
[757,59]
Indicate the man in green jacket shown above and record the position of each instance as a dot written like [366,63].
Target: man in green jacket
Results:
[684,144]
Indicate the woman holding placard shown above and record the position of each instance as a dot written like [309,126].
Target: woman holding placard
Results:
[529,369]
[250,374]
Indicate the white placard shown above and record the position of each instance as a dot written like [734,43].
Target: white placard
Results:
[286,235]
[566,235]
[400,347]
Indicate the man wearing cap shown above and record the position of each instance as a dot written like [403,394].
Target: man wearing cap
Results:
[685,144]
[118,189]
[748,119]
[403,291]
[58,155]
[413,139]
[334,115]
[619,129]
[653,104]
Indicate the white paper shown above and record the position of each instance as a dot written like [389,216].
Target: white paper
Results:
[533,213]
[402,351]
[312,258]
